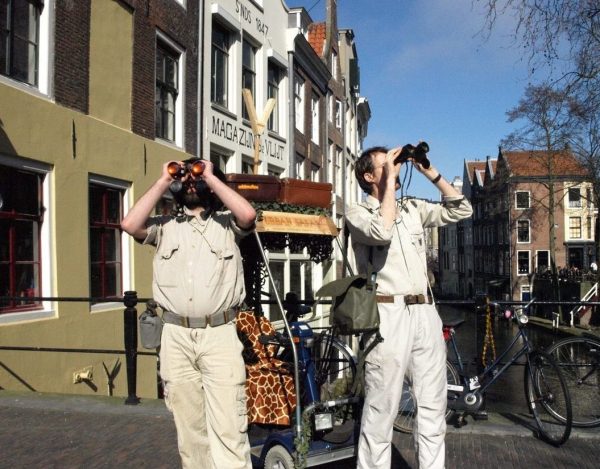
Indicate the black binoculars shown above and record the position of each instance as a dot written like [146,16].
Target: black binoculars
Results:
[177,171]
[418,154]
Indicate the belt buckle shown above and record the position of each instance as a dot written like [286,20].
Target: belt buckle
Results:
[186,321]
[420,299]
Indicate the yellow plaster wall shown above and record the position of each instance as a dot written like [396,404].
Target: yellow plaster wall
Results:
[111,59]
[35,128]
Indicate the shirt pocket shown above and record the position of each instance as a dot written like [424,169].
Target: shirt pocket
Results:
[167,264]
[418,240]
[225,269]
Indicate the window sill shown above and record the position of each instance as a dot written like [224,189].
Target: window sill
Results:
[106,307]
[26,316]
[19,85]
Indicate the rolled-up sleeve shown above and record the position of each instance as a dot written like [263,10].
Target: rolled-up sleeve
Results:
[367,227]
[451,210]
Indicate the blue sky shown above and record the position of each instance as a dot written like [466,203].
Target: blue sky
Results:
[429,76]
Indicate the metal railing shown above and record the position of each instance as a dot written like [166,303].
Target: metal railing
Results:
[130,301]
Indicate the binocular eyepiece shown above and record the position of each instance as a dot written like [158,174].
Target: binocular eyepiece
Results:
[418,154]
[178,171]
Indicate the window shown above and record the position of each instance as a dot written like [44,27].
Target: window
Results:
[274,78]
[315,118]
[248,74]
[219,160]
[334,65]
[588,196]
[105,214]
[299,166]
[574,197]
[219,65]
[247,166]
[589,228]
[543,260]
[167,90]
[19,39]
[299,102]
[522,199]
[523,231]
[575,227]
[315,172]
[522,262]
[338,114]
[339,179]
[21,217]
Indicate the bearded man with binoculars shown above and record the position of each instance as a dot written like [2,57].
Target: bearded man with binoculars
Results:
[199,284]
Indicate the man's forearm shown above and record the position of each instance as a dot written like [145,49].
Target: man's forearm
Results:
[134,222]
[241,209]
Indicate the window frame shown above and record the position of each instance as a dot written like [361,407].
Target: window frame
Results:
[167,45]
[8,30]
[519,240]
[224,51]
[574,203]
[338,114]
[519,273]
[537,258]
[573,227]
[517,207]
[124,244]
[315,103]
[274,79]
[43,309]
[299,91]
[248,72]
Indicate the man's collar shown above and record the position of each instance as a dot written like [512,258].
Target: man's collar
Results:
[372,202]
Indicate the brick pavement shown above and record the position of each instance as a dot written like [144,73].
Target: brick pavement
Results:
[62,431]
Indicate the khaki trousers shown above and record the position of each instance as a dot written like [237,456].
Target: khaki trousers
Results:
[412,343]
[204,378]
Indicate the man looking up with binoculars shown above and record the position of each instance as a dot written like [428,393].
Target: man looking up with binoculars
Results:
[390,234]
[199,284]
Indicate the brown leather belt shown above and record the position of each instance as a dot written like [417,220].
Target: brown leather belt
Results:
[216,319]
[408,299]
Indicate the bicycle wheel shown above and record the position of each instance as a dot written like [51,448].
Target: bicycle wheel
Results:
[579,361]
[548,398]
[407,410]
[335,366]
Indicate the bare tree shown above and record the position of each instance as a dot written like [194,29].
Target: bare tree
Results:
[554,32]
[549,127]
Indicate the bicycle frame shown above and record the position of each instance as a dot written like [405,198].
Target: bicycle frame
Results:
[478,384]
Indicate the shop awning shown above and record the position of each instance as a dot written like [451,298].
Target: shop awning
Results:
[283,222]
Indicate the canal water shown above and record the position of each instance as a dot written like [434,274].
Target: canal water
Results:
[507,394]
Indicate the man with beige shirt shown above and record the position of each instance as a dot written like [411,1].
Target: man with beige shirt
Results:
[198,282]
[390,232]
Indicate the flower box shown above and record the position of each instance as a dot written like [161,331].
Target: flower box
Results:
[300,192]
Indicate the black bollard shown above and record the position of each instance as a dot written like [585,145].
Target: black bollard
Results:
[131,343]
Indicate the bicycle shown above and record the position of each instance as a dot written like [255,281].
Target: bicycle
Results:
[546,390]
[579,361]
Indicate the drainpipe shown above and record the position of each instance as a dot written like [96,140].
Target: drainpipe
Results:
[200,92]
[291,117]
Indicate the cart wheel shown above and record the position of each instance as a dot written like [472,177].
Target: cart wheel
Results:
[278,458]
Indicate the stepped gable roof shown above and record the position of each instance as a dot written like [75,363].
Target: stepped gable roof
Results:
[316,37]
[535,163]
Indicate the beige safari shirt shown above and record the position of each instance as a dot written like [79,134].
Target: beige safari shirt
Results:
[197,264]
[399,252]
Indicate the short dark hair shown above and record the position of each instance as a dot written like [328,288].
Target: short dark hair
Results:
[364,165]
